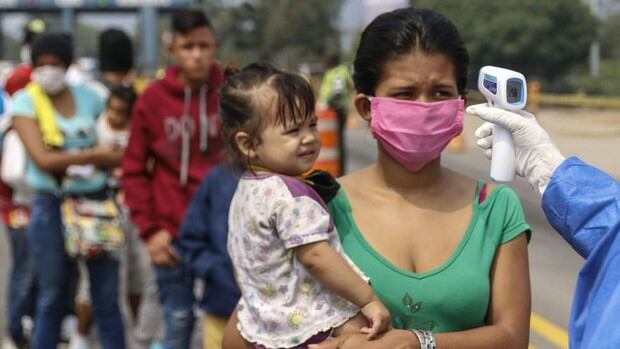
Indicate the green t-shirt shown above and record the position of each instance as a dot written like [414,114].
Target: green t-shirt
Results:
[455,295]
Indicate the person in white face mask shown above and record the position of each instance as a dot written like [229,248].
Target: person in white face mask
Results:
[56,122]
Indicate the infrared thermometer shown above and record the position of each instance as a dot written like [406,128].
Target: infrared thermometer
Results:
[505,89]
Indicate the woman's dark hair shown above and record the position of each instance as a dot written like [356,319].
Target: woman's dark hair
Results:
[115,51]
[186,20]
[242,103]
[400,31]
[126,94]
[59,44]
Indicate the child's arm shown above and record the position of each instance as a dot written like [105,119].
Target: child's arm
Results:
[331,269]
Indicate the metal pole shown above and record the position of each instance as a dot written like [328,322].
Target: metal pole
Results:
[150,39]
[595,46]
[68,19]
[595,60]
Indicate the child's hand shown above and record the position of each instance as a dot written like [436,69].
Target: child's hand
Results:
[378,316]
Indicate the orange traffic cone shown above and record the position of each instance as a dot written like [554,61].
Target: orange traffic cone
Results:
[329,156]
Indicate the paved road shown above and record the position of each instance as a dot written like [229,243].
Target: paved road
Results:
[591,135]
[553,264]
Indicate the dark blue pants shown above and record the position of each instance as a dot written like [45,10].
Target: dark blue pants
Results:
[176,294]
[21,284]
[56,277]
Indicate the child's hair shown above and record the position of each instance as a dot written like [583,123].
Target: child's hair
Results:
[125,94]
[244,103]
[399,32]
[186,20]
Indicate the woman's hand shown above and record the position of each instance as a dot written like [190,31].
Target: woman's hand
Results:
[393,339]
[57,161]
[161,251]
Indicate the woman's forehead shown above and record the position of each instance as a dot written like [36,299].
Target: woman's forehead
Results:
[48,59]
[418,68]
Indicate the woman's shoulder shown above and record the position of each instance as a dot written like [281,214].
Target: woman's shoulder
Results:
[21,96]
[354,182]
[85,91]
[504,214]
[21,104]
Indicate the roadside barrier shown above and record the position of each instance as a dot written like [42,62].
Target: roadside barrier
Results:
[328,128]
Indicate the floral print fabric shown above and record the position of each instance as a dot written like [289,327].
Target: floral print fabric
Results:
[282,304]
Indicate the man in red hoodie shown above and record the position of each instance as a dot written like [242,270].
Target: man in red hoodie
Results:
[174,143]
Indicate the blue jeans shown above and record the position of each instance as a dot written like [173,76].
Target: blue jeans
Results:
[21,284]
[176,294]
[56,279]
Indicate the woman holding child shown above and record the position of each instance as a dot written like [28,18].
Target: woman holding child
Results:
[56,122]
[446,254]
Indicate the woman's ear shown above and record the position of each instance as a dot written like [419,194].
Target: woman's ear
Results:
[245,144]
[362,104]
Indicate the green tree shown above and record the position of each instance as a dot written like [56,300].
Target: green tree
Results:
[610,45]
[286,32]
[542,39]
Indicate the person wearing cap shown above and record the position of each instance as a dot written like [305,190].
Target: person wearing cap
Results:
[56,122]
[583,204]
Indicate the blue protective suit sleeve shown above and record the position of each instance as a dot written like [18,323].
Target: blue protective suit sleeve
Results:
[583,205]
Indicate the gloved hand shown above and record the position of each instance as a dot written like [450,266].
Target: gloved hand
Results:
[536,156]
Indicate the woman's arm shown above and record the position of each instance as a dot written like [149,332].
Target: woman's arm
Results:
[507,319]
[58,161]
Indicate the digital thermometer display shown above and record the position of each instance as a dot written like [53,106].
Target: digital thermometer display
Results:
[514,91]
[504,89]
[490,83]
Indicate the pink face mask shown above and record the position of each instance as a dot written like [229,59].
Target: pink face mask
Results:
[414,133]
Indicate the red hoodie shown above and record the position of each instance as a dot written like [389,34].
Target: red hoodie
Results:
[174,142]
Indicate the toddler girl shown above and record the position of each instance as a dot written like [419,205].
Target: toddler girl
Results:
[113,124]
[297,286]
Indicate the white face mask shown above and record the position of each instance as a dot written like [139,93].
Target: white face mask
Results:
[51,78]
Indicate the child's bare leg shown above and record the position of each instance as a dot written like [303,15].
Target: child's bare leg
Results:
[353,325]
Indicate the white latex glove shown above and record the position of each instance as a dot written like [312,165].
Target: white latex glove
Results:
[535,154]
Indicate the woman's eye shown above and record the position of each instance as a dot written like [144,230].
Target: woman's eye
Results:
[443,94]
[314,124]
[403,95]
